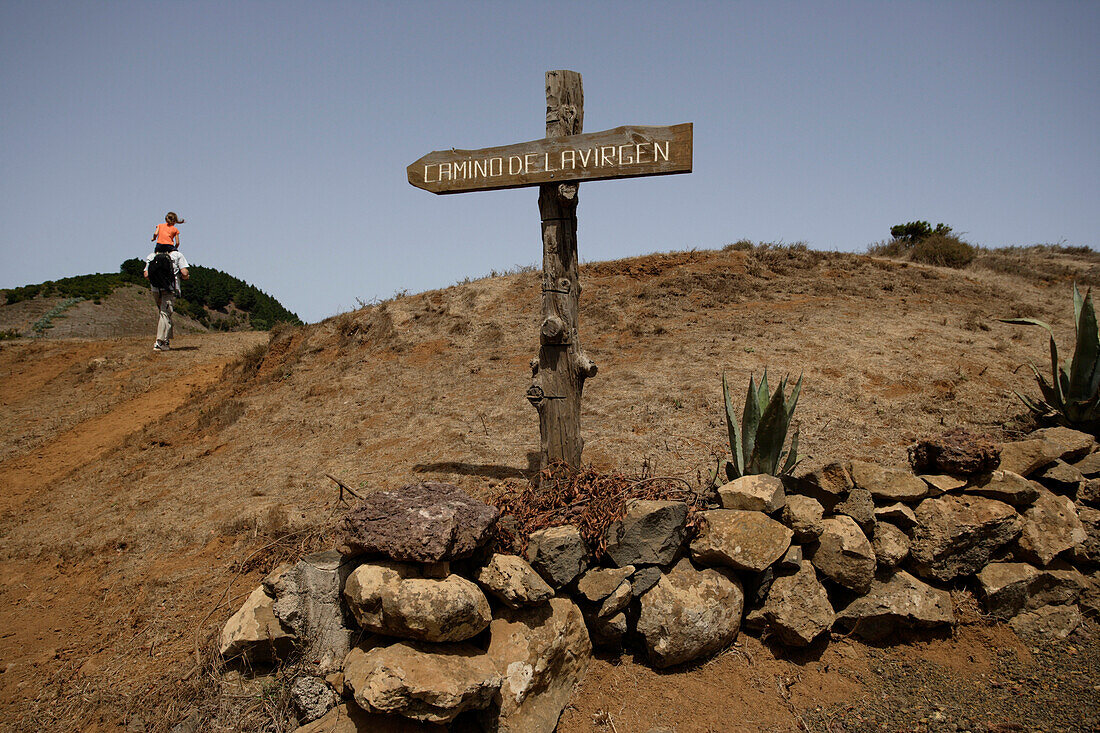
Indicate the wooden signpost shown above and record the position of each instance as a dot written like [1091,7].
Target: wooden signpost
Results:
[556,164]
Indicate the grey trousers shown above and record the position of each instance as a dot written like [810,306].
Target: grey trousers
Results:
[164,299]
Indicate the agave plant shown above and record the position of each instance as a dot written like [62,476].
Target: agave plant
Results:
[1072,391]
[756,442]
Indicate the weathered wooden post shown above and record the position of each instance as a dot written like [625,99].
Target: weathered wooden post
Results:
[556,164]
[559,371]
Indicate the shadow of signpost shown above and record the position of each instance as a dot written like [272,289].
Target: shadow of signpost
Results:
[486,470]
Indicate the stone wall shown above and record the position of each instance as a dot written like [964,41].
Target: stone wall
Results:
[414,622]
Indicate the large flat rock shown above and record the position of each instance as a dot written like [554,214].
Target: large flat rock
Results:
[738,539]
[431,683]
[690,614]
[959,535]
[424,522]
[541,653]
[395,599]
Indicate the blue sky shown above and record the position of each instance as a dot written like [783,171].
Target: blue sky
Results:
[281,131]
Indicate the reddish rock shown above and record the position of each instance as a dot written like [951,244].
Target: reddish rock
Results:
[957,452]
[425,522]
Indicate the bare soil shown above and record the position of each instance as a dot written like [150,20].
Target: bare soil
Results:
[136,487]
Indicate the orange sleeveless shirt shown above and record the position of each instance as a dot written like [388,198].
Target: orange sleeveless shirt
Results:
[166,234]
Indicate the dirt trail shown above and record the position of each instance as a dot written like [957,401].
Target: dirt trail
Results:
[24,475]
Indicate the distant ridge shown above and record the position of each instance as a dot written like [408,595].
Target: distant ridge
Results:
[213,299]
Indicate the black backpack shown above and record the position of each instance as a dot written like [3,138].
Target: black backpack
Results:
[162,275]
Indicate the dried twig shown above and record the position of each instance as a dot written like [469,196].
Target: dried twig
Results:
[344,487]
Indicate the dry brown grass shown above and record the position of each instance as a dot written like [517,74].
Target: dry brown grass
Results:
[431,386]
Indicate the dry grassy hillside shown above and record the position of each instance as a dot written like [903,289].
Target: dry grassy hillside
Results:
[134,486]
[126,311]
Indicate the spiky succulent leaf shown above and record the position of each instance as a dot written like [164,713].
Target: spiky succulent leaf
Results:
[770,435]
[1074,387]
[750,421]
[762,393]
[793,401]
[1078,304]
[1028,322]
[792,455]
[1059,379]
[734,432]
[1086,355]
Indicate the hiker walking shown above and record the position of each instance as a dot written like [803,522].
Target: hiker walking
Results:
[164,267]
[167,235]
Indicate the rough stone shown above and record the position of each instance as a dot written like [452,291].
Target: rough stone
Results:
[644,579]
[650,533]
[1050,527]
[957,452]
[432,683]
[901,600]
[350,718]
[891,546]
[394,599]
[797,609]
[1089,602]
[312,697]
[828,484]
[758,493]
[887,484]
[1089,493]
[254,634]
[1089,466]
[1004,587]
[690,613]
[859,506]
[309,599]
[742,540]
[844,554]
[541,652]
[1056,587]
[899,515]
[1027,456]
[424,522]
[615,602]
[958,535]
[558,554]
[803,514]
[1048,622]
[599,583]
[1089,550]
[791,560]
[754,620]
[1061,478]
[1006,486]
[1066,443]
[608,633]
[941,483]
[513,581]
[757,586]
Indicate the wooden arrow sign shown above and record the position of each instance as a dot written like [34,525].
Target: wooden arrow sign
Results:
[623,152]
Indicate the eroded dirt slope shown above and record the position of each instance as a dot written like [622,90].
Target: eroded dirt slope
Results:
[135,486]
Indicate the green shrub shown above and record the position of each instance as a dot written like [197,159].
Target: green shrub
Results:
[1073,392]
[756,442]
[915,231]
[943,250]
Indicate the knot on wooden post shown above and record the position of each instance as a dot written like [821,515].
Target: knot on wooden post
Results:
[554,331]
